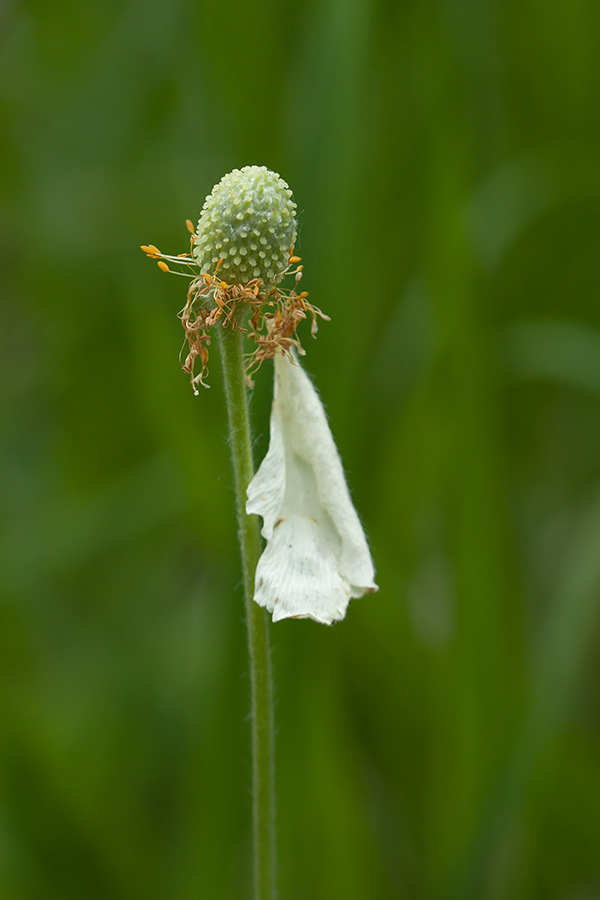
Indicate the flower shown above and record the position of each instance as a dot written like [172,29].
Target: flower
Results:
[316,557]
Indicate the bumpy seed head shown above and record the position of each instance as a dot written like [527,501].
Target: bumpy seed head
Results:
[249,221]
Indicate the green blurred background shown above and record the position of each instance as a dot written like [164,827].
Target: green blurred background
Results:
[443,742]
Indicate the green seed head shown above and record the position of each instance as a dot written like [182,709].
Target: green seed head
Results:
[249,221]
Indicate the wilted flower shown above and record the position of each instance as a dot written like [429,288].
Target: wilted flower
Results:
[316,558]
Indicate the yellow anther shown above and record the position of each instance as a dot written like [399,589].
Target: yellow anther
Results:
[153,250]
[224,285]
[295,259]
[207,278]
[145,248]
[163,266]
[303,295]
[181,255]
[190,226]
[219,264]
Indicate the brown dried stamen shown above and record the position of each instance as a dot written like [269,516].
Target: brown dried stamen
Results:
[272,319]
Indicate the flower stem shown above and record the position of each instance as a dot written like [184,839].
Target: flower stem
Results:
[263,768]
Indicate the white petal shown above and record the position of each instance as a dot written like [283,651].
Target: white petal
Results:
[316,556]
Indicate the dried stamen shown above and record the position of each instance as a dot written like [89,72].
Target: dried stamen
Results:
[272,317]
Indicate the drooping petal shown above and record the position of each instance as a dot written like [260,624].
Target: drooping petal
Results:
[316,557]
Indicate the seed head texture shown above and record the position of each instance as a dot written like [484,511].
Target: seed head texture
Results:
[249,221]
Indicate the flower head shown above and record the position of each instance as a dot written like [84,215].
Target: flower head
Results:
[316,558]
[241,250]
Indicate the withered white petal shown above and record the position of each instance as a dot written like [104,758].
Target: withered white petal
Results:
[316,557]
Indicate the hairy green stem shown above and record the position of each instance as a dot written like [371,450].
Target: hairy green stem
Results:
[263,769]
